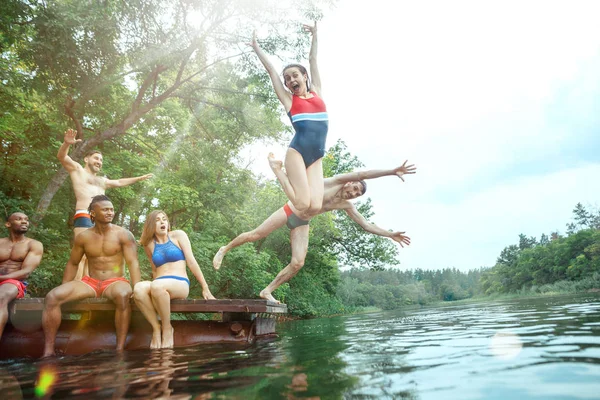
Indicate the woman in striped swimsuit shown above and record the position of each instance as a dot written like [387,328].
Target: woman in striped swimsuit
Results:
[169,253]
[302,180]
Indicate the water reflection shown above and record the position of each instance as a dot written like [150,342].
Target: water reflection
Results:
[528,349]
[9,385]
[154,377]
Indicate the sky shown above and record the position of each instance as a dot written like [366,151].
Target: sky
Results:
[496,103]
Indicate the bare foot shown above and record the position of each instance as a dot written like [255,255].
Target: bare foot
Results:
[156,340]
[273,163]
[268,296]
[207,294]
[219,257]
[49,354]
[167,339]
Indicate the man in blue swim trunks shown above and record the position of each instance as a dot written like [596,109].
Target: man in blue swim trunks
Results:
[87,184]
[339,190]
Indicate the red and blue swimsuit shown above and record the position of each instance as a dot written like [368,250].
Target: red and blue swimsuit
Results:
[310,121]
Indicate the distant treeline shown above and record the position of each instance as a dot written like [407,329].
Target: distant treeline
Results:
[554,263]
[393,288]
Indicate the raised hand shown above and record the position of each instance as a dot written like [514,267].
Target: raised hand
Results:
[400,238]
[147,176]
[310,28]
[70,135]
[405,170]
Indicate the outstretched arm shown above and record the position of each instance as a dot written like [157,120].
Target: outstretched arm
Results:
[63,151]
[374,229]
[115,183]
[376,173]
[31,262]
[312,59]
[130,254]
[282,94]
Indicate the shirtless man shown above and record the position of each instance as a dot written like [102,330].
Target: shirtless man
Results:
[107,247]
[19,256]
[339,190]
[87,184]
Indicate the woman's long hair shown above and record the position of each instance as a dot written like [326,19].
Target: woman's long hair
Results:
[150,226]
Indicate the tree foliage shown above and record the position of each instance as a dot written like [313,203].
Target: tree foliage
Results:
[532,264]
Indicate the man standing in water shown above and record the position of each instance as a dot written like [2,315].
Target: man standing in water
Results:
[87,183]
[19,256]
[339,190]
[107,247]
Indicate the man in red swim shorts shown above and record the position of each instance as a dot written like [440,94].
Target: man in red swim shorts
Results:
[107,247]
[19,256]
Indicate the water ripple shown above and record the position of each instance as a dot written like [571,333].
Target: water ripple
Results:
[543,348]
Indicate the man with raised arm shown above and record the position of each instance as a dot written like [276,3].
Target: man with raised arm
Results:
[87,184]
[19,256]
[339,190]
[107,248]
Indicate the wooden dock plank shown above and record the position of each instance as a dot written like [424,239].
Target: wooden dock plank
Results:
[184,306]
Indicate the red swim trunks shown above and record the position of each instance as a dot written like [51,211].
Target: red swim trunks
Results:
[292,219]
[20,286]
[100,286]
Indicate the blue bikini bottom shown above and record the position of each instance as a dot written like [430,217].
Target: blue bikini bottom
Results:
[179,278]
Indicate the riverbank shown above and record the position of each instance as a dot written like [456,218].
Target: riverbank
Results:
[560,288]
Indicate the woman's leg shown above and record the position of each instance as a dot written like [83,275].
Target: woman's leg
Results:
[294,180]
[162,291]
[143,300]
[275,221]
[317,187]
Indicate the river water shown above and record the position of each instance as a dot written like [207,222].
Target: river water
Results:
[541,348]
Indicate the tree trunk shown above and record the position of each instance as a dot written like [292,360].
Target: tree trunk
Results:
[55,183]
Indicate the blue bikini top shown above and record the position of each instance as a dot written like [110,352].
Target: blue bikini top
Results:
[166,252]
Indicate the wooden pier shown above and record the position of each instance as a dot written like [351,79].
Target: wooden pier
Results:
[88,325]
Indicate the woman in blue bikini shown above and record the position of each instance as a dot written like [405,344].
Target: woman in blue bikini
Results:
[302,180]
[169,253]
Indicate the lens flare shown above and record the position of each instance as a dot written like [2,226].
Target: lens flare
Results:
[506,345]
[45,381]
